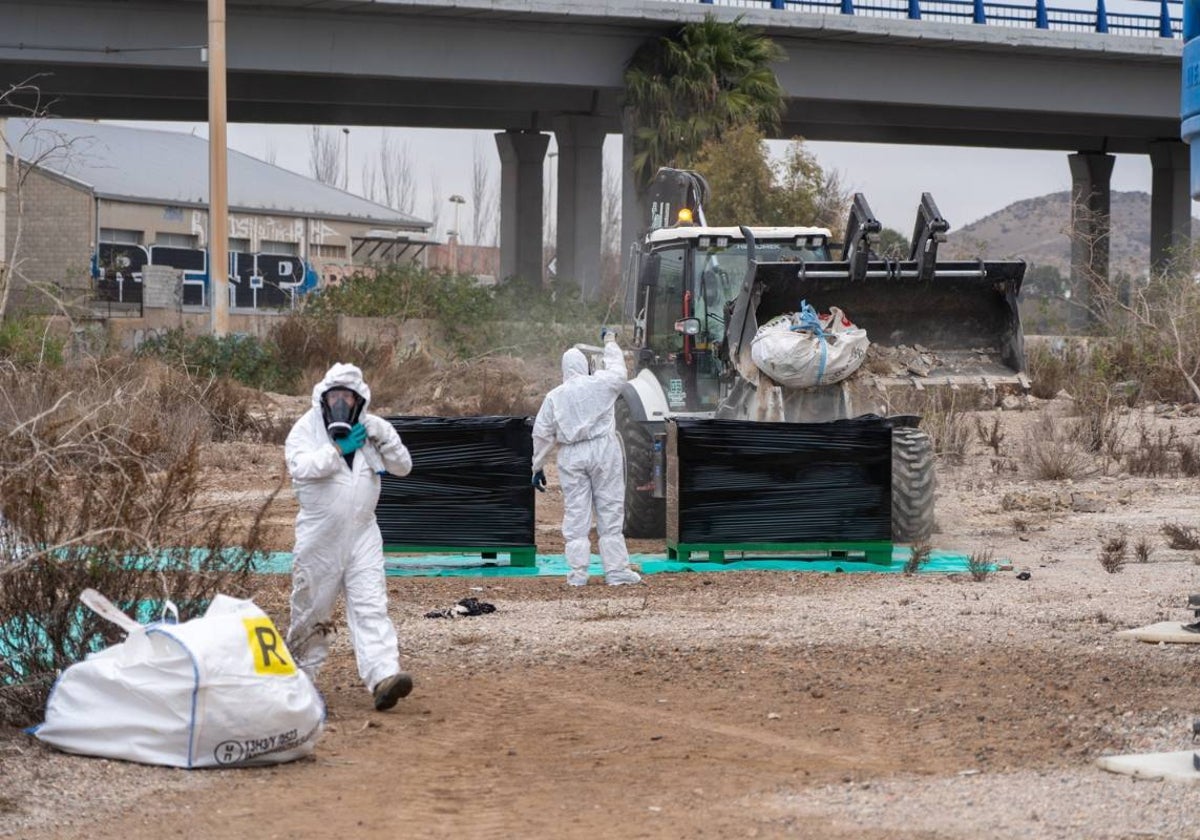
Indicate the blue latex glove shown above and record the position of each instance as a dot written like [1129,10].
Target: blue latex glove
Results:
[539,481]
[353,441]
[606,332]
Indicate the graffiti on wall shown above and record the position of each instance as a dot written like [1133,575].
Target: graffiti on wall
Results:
[256,280]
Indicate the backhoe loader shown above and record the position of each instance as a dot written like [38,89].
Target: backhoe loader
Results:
[702,293]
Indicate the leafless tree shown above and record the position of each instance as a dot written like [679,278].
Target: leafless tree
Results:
[610,233]
[270,153]
[1156,317]
[397,177]
[482,207]
[832,202]
[324,158]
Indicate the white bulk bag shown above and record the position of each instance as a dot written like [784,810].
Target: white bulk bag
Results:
[803,349]
[221,690]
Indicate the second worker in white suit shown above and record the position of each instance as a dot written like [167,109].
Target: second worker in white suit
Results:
[577,417]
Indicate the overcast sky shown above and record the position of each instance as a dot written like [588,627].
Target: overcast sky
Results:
[967,184]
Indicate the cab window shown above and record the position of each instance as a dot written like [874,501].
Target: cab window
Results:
[666,302]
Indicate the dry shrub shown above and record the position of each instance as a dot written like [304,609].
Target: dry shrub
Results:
[918,556]
[499,385]
[1055,366]
[990,435]
[980,565]
[1097,427]
[1153,454]
[943,417]
[393,389]
[1052,453]
[1143,550]
[308,342]
[1112,553]
[1189,459]
[1183,537]
[96,495]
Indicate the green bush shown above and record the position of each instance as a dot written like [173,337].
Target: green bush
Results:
[469,314]
[27,342]
[245,359]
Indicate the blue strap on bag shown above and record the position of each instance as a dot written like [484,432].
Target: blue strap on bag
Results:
[811,322]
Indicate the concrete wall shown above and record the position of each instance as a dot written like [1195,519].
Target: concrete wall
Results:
[406,338]
[57,233]
[129,333]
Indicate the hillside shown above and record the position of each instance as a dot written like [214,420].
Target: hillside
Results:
[1035,230]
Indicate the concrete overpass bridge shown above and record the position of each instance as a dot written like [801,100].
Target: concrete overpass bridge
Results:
[957,72]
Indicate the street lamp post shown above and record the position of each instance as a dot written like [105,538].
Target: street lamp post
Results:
[458,201]
[346,176]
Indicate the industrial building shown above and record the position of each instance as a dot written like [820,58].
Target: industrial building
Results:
[93,204]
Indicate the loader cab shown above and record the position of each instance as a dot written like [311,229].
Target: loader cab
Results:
[688,280]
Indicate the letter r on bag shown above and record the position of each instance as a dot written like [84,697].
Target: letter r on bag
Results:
[267,649]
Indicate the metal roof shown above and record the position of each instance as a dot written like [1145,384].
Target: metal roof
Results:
[168,167]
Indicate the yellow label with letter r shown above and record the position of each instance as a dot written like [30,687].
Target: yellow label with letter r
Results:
[267,649]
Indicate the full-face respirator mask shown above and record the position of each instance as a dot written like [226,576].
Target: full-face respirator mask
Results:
[340,408]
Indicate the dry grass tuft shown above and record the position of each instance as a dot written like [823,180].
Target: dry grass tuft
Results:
[980,565]
[918,556]
[989,434]
[1051,453]
[1183,537]
[1112,553]
[1142,550]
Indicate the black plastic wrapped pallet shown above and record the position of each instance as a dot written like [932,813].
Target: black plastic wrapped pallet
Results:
[741,482]
[469,486]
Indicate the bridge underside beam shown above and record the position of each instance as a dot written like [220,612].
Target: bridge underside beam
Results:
[100,92]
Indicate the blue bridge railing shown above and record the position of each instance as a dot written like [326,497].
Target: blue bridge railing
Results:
[1167,23]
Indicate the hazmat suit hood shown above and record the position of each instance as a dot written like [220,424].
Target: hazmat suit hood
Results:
[343,376]
[574,363]
[331,398]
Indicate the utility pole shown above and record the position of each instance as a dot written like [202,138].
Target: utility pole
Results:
[3,201]
[218,179]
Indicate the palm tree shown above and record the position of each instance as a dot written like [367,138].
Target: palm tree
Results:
[692,85]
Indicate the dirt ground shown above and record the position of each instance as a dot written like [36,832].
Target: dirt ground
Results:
[731,704]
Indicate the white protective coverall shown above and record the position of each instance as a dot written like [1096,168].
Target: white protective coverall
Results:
[577,416]
[338,545]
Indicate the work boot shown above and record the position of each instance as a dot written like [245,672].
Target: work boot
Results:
[623,577]
[390,689]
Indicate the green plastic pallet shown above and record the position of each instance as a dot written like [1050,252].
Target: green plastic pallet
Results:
[873,551]
[523,555]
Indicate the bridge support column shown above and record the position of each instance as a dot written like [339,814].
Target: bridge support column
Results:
[1091,197]
[1170,203]
[521,157]
[580,201]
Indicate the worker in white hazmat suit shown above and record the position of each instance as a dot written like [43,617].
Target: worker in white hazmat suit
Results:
[335,454]
[577,417]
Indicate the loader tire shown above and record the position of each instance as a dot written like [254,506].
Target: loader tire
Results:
[912,485]
[645,516]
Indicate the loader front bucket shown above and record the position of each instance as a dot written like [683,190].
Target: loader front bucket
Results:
[961,325]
